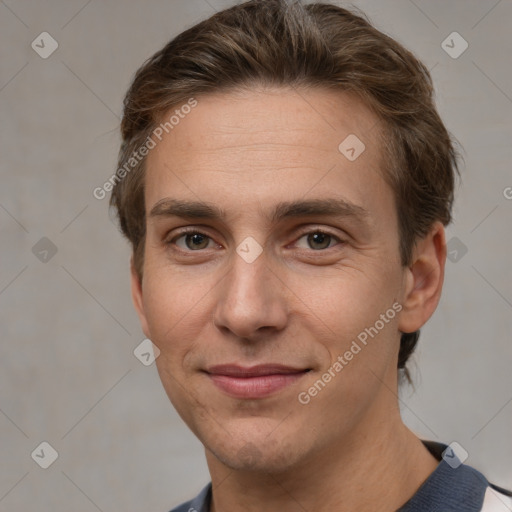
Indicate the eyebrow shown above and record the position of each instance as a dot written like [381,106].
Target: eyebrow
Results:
[333,207]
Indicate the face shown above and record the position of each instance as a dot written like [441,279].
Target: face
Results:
[272,282]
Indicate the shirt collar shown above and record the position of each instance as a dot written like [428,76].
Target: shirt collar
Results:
[457,489]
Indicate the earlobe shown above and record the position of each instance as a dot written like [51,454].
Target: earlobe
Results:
[424,280]
[137,298]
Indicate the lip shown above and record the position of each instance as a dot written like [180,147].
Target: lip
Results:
[254,382]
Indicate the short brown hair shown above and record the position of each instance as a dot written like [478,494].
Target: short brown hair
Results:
[286,43]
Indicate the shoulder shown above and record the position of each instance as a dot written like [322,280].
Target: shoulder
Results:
[457,487]
[201,503]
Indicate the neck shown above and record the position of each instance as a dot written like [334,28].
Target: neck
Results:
[379,466]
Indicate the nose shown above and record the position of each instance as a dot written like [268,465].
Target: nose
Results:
[251,300]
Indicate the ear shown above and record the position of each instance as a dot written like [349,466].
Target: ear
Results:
[424,280]
[137,298]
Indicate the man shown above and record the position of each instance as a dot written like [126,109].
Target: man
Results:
[285,180]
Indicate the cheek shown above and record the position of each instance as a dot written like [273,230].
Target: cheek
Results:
[360,354]
[174,314]
[173,307]
[346,301]
[344,316]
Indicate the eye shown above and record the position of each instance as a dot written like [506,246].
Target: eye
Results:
[318,240]
[192,240]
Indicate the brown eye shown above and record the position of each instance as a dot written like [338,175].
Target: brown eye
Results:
[317,240]
[193,241]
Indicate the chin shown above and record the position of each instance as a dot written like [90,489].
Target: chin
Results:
[254,458]
[258,451]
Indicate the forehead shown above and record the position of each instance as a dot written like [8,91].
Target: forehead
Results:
[273,116]
[269,144]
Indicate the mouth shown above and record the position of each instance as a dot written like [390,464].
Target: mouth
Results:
[256,381]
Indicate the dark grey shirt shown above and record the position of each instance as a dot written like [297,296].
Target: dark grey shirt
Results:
[447,489]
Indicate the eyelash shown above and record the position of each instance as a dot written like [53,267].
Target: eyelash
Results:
[194,231]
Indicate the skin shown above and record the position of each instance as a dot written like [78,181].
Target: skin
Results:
[299,303]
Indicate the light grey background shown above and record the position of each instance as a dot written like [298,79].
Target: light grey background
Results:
[68,330]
